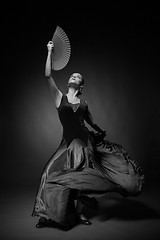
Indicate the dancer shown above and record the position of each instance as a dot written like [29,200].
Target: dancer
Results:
[84,164]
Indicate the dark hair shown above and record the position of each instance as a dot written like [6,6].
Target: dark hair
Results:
[82,82]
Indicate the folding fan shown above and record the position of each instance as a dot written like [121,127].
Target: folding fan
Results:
[62,49]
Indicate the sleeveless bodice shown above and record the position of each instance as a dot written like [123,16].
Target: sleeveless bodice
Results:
[72,118]
[74,106]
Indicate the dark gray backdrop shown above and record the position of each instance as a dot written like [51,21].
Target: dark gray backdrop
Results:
[117,52]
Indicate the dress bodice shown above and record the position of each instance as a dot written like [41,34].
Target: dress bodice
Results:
[72,117]
[75,106]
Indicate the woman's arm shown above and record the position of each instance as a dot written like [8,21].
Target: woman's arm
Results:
[57,95]
[89,119]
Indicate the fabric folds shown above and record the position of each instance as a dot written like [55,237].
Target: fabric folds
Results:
[84,170]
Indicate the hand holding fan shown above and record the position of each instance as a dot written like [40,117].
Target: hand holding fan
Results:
[62,49]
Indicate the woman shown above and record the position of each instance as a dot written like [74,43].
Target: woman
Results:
[83,165]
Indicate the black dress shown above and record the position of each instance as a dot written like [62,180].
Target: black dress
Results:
[79,165]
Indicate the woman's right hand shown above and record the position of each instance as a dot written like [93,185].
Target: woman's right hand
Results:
[50,46]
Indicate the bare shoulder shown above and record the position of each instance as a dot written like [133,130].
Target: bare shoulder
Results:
[85,102]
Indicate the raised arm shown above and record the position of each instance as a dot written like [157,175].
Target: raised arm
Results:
[57,95]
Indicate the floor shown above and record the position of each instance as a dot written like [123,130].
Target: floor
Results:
[117,218]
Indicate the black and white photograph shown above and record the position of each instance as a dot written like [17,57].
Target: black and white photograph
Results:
[80,121]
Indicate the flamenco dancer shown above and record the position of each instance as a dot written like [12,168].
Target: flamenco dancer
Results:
[84,163]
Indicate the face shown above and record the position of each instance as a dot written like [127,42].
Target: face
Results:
[75,78]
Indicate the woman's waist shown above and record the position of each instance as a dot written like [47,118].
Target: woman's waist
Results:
[76,131]
[75,127]
[71,133]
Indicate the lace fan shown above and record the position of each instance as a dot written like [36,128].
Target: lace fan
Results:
[62,49]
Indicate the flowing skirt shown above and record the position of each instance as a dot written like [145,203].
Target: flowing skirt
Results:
[80,170]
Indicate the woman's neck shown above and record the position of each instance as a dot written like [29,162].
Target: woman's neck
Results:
[72,93]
